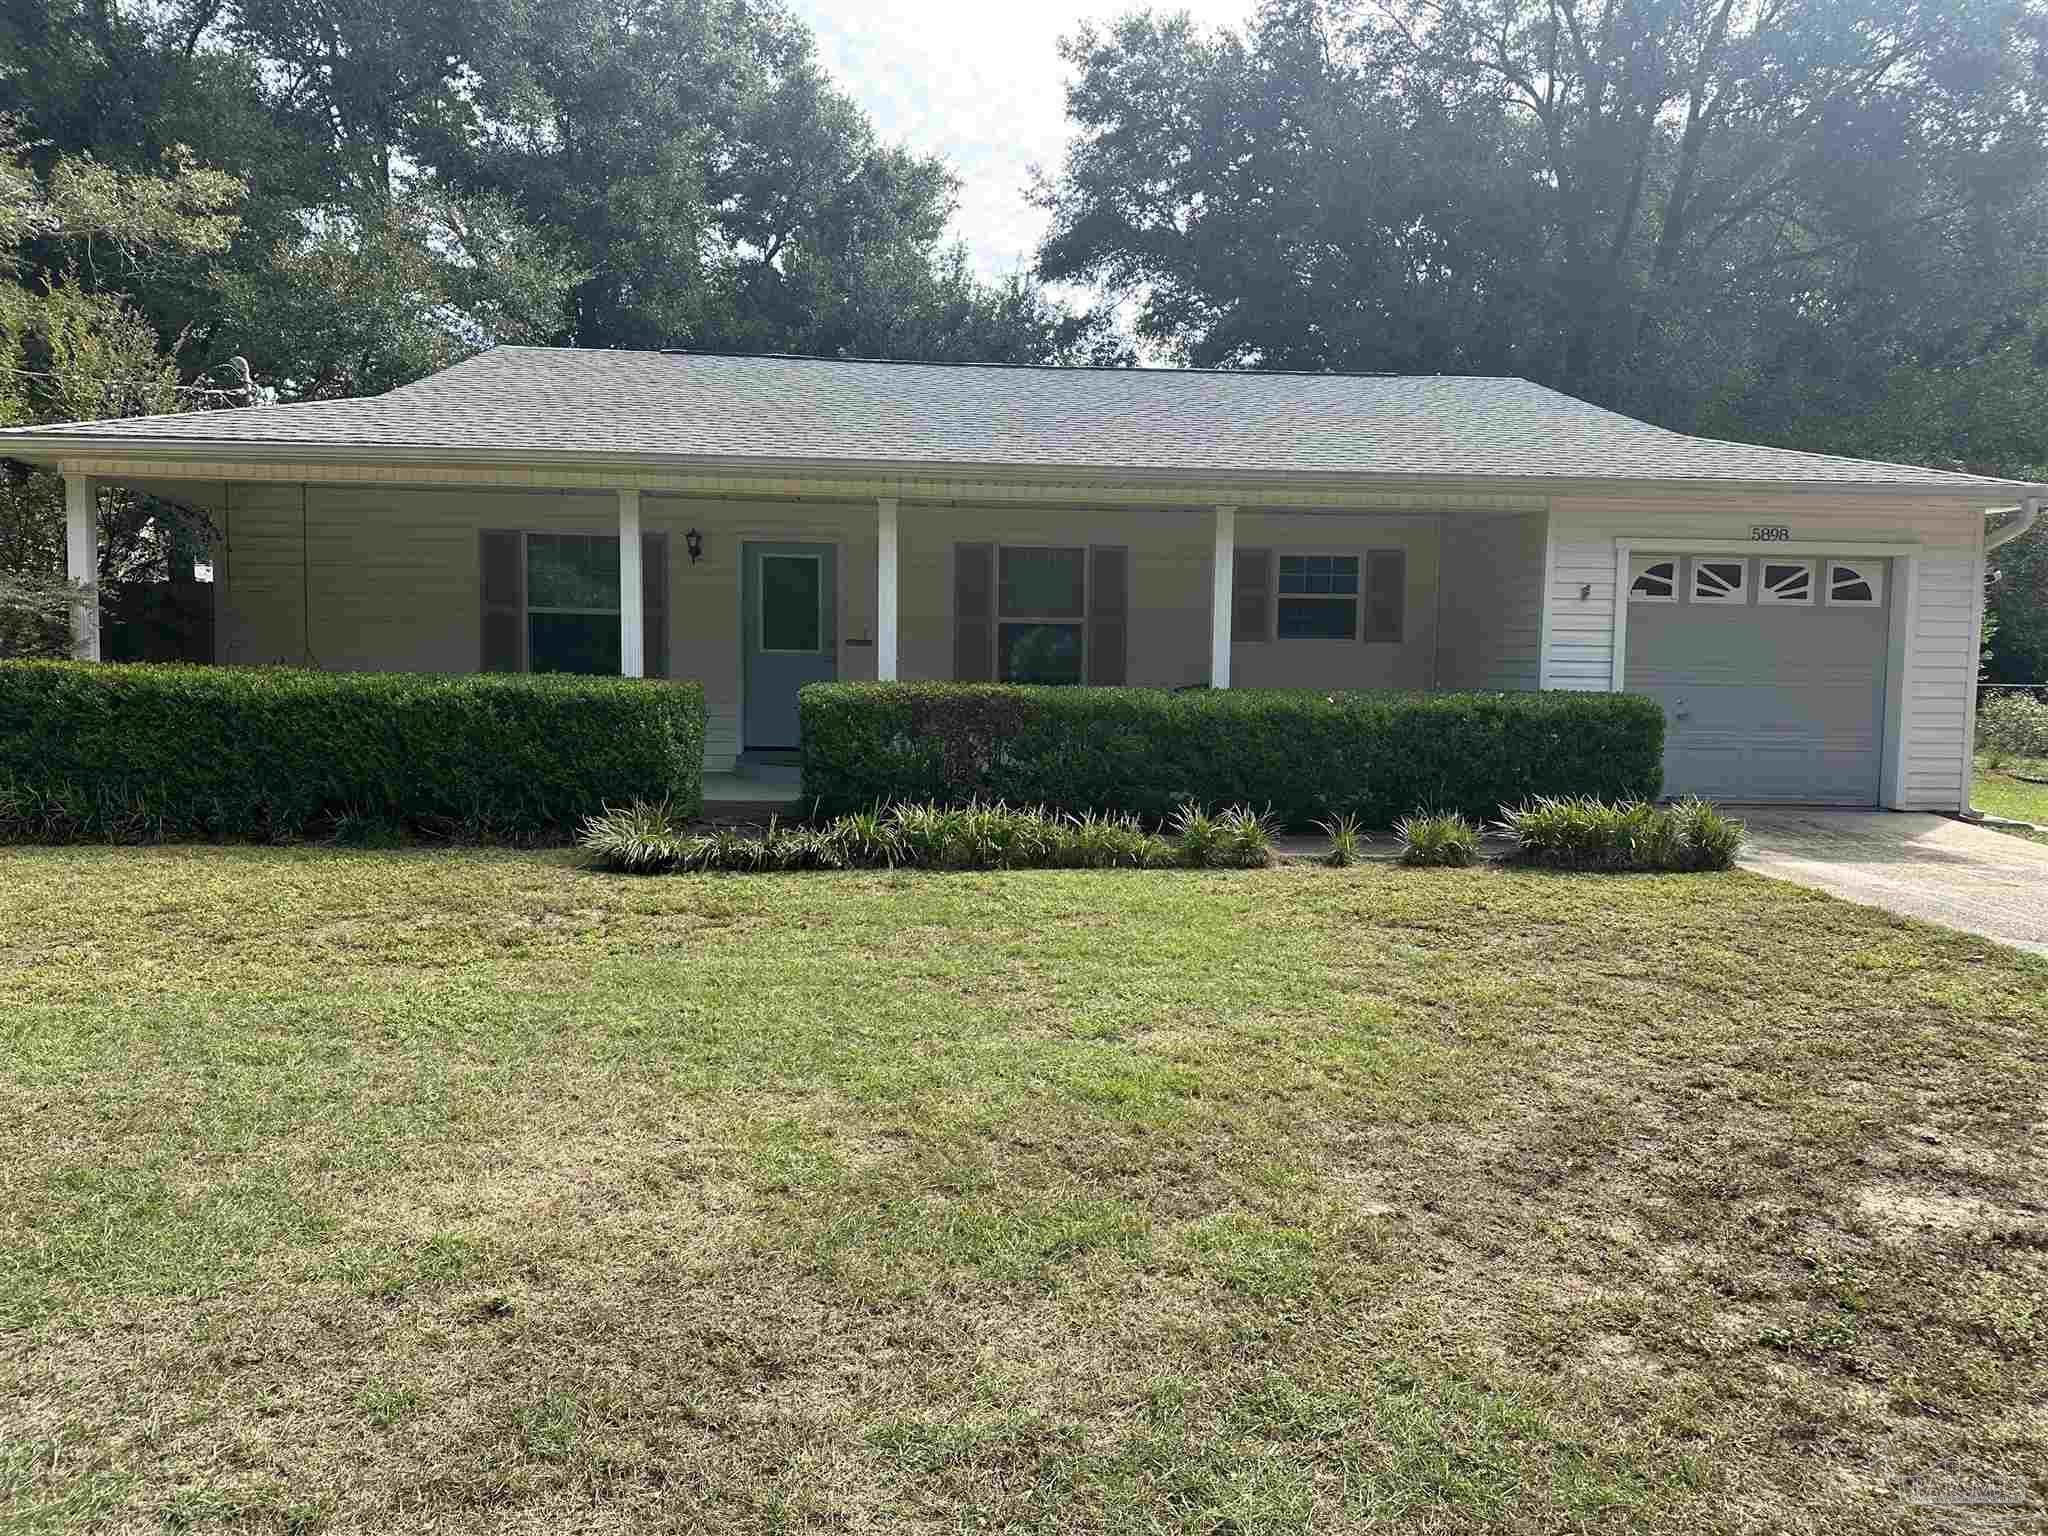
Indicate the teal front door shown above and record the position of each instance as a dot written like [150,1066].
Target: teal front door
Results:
[790,623]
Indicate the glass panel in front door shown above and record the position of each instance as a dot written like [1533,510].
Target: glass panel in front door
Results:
[792,593]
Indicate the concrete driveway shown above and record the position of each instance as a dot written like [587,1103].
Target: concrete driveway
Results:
[1928,867]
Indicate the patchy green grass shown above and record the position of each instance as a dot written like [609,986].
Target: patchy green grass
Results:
[415,1191]
[2017,788]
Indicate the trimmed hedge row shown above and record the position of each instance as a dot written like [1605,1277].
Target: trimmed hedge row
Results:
[1304,755]
[105,753]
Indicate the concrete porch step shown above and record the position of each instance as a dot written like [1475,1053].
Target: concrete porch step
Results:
[735,797]
[767,767]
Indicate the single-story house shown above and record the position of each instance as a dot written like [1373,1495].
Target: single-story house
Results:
[1810,623]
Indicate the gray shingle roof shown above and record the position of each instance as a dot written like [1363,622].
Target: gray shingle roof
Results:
[524,402]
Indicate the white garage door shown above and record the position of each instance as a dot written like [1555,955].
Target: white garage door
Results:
[1771,672]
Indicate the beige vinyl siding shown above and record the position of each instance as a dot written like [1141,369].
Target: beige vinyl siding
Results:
[392,575]
[1168,637]
[1938,647]
[369,578]
[1492,627]
[1168,644]
[1339,663]
[260,571]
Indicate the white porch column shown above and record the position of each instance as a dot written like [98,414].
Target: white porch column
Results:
[1223,575]
[632,617]
[885,589]
[82,562]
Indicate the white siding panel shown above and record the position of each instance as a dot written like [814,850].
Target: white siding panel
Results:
[1581,640]
[1945,661]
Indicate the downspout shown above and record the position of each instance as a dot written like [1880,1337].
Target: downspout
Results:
[2029,514]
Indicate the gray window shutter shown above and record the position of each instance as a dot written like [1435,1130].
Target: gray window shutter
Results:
[1109,614]
[974,592]
[1251,588]
[1386,593]
[654,603]
[502,554]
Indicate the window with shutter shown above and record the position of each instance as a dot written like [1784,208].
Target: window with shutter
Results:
[1251,589]
[1041,614]
[1318,598]
[502,556]
[1109,607]
[572,604]
[1386,592]
[973,612]
[654,602]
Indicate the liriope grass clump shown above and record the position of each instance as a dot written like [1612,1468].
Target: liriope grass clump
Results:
[1347,840]
[1235,838]
[1588,834]
[643,839]
[1437,839]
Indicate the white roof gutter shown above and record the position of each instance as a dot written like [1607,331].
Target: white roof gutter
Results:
[2029,514]
[42,446]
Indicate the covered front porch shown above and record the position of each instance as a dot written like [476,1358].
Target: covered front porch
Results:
[756,595]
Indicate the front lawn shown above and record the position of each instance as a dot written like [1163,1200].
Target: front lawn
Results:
[476,1192]
[2016,788]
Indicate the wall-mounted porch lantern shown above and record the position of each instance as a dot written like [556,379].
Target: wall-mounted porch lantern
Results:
[694,542]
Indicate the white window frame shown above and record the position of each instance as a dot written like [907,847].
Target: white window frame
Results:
[1767,598]
[1356,597]
[526,539]
[1639,567]
[1002,618]
[1735,599]
[1859,570]
[761,645]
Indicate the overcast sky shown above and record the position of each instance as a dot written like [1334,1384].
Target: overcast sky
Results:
[979,82]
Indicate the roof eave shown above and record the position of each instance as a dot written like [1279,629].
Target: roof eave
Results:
[50,448]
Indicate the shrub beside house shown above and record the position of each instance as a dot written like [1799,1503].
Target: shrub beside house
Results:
[1300,755]
[127,753]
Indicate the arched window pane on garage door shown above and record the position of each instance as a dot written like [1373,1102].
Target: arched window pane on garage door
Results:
[1855,584]
[1785,581]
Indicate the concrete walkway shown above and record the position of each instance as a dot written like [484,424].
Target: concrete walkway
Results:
[1929,867]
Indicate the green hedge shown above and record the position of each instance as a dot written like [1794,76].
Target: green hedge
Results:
[1302,754]
[123,753]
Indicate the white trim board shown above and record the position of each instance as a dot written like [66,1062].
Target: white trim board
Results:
[1659,544]
[1902,611]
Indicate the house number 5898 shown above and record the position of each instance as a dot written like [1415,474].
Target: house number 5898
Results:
[1770,533]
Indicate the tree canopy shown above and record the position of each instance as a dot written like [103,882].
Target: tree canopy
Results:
[1655,204]
[425,179]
